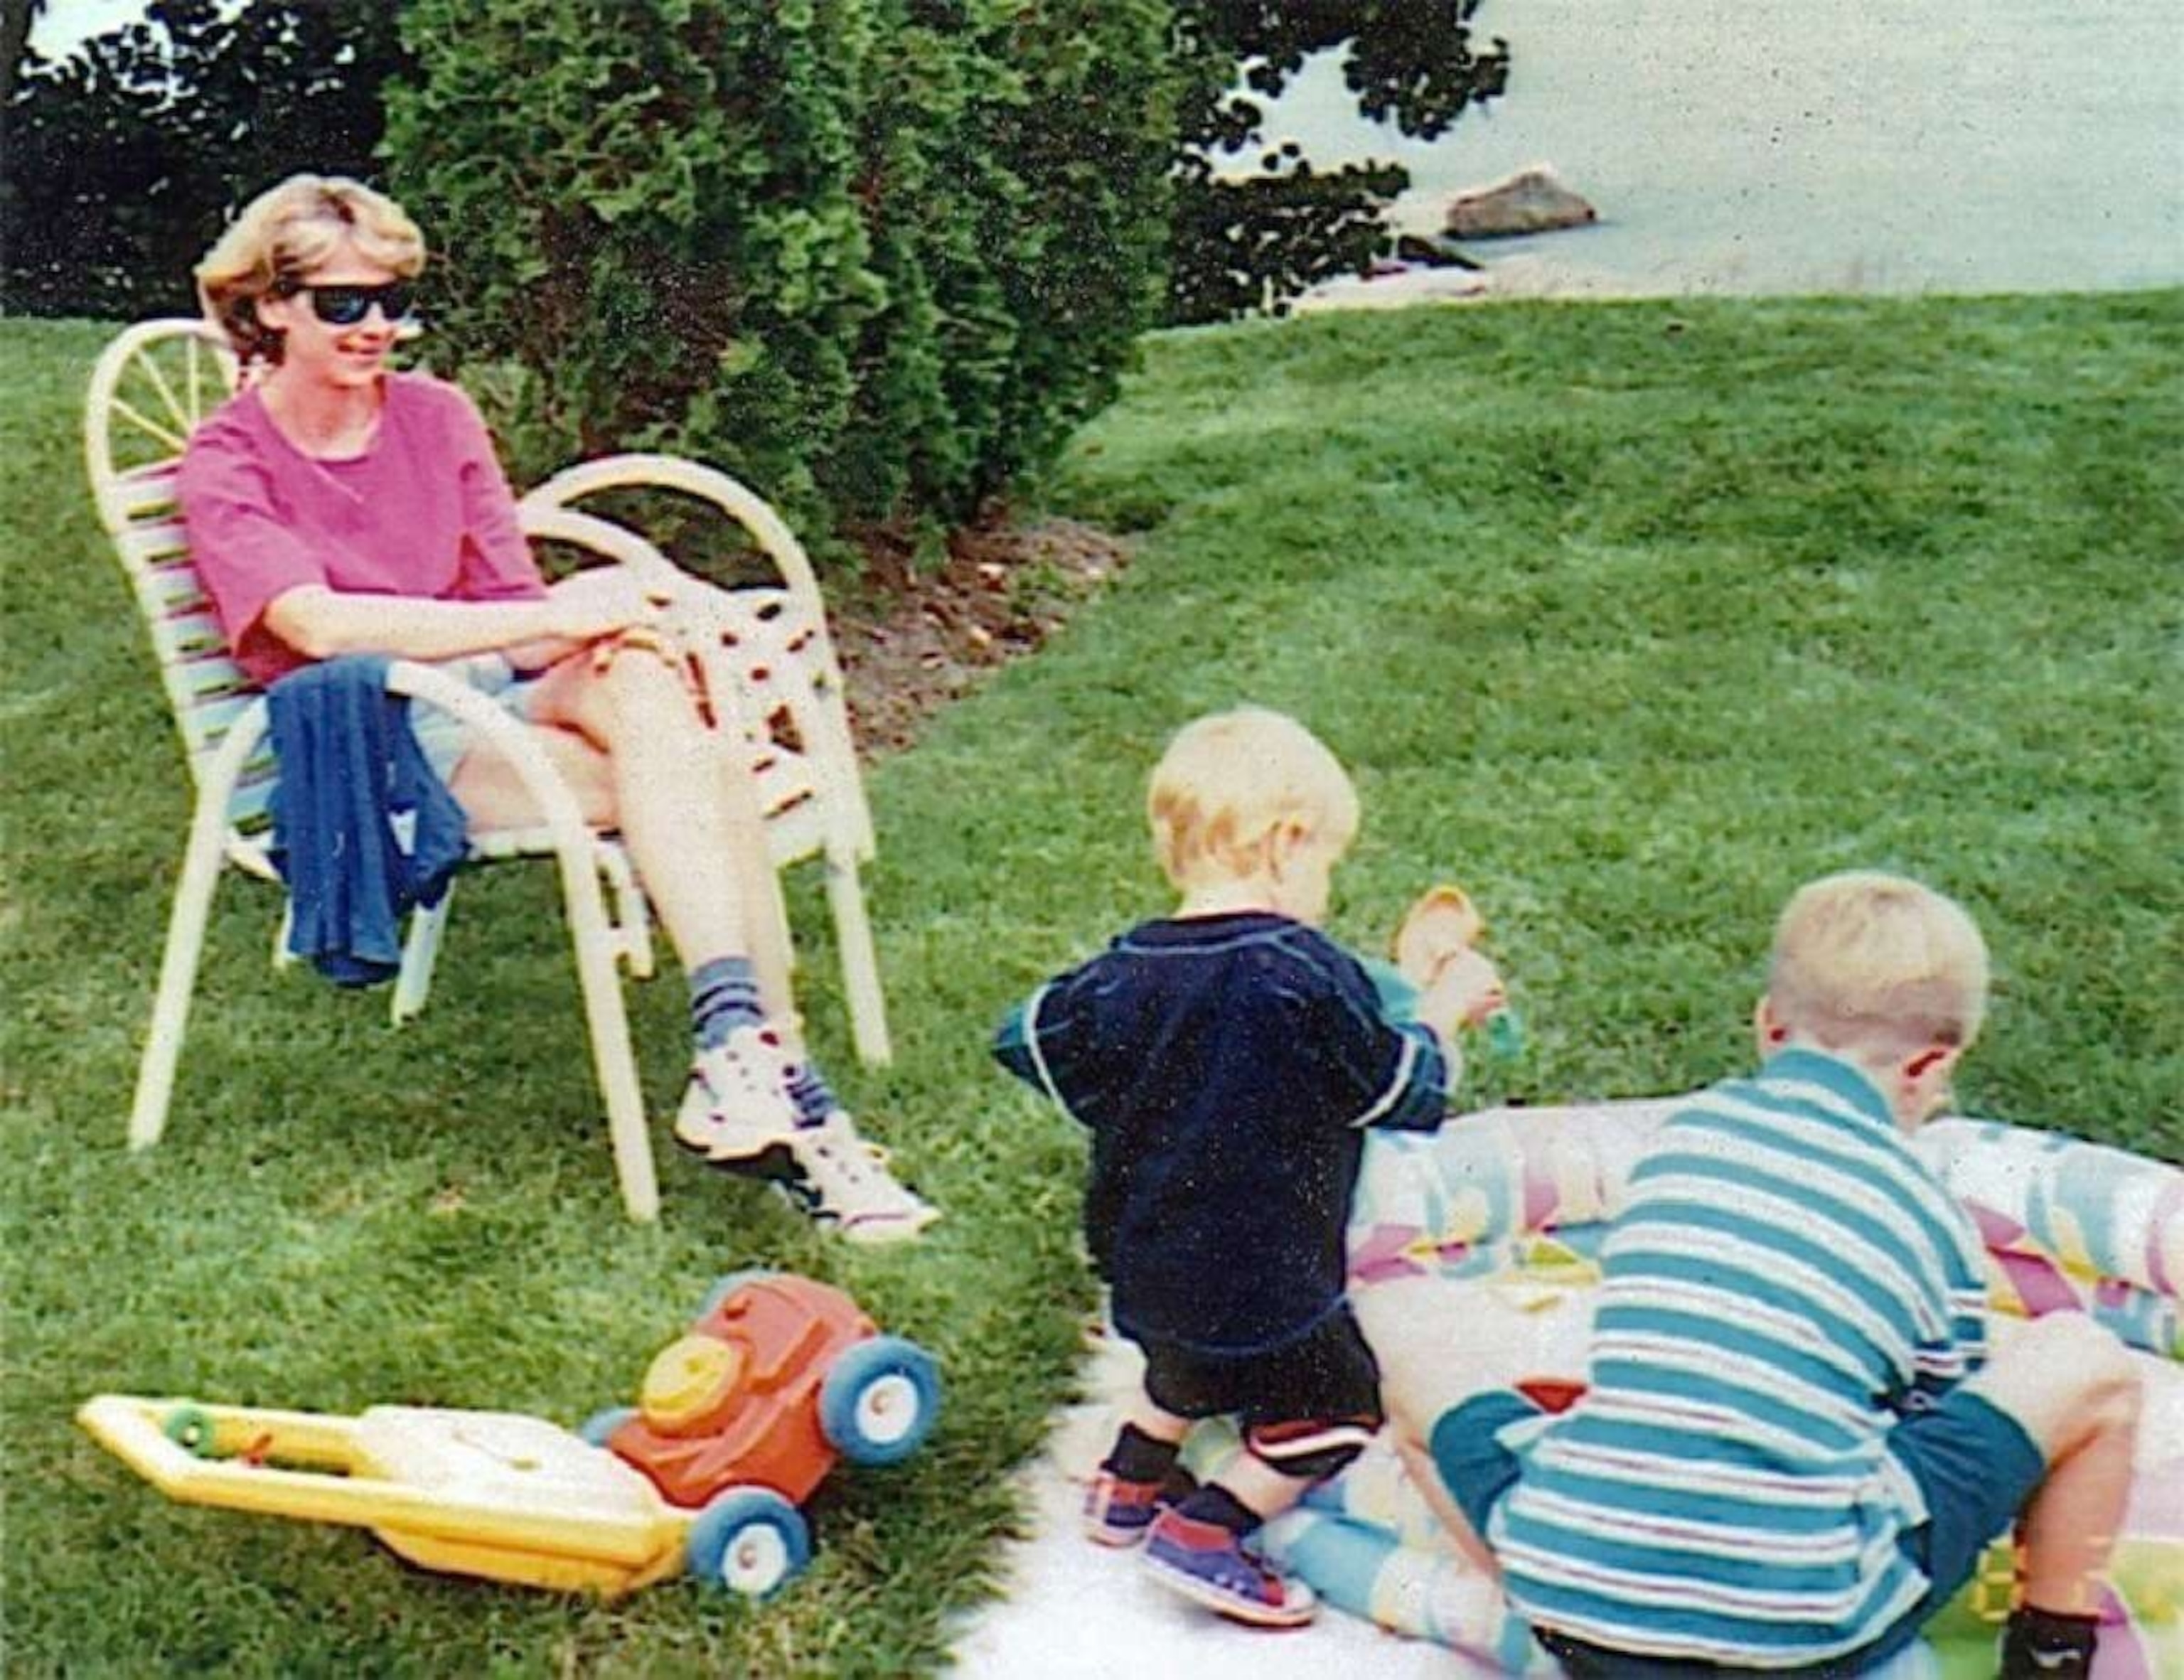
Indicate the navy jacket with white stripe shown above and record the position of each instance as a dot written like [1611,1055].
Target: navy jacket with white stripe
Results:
[1225,1066]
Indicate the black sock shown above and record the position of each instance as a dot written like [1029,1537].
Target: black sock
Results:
[1136,1456]
[1178,1485]
[2045,1644]
[1213,1503]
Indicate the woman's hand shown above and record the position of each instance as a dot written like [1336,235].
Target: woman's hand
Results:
[594,604]
[580,610]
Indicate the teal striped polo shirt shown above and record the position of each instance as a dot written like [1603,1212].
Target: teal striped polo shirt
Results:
[1787,1280]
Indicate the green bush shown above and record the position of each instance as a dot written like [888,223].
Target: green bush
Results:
[877,257]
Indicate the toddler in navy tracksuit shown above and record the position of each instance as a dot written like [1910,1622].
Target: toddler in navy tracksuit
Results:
[1226,1060]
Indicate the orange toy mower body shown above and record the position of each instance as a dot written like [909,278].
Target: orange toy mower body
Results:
[775,1379]
[757,1392]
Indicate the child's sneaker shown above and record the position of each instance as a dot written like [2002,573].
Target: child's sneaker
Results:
[839,1179]
[1208,1564]
[736,1107]
[1117,1513]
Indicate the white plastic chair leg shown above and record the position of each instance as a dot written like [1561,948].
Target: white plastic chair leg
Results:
[202,858]
[633,934]
[861,967]
[282,957]
[578,860]
[420,955]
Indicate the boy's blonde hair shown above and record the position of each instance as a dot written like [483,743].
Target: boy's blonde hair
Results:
[1230,779]
[285,233]
[1877,963]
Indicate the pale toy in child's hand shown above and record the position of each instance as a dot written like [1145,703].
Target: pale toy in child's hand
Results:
[1436,949]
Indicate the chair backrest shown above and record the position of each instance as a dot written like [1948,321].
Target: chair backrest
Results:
[149,390]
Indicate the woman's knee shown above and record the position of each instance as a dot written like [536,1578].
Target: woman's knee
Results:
[638,698]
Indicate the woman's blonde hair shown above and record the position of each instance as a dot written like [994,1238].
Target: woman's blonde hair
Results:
[285,233]
[1227,780]
[1878,963]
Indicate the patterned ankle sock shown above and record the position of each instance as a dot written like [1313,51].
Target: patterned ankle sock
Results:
[723,996]
[809,1093]
[2045,1644]
[1212,1503]
[1136,1456]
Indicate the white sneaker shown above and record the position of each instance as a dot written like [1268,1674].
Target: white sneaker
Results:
[843,1181]
[736,1107]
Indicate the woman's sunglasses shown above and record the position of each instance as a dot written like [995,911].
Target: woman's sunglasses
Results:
[346,306]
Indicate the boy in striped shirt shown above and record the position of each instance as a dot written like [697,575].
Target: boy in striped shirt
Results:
[1226,1060]
[1793,1445]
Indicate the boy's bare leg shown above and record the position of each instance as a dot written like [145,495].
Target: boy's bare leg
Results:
[2074,1388]
[1256,1485]
[1143,1415]
[1425,1476]
[1261,1488]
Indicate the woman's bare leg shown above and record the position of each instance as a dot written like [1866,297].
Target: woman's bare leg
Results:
[689,817]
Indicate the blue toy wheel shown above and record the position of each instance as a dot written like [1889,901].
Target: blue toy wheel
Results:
[728,1285]
[879,1401]
[191,1428]
[749,1541]
[600,1425]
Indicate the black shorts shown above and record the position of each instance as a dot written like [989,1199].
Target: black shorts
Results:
[1326,1374]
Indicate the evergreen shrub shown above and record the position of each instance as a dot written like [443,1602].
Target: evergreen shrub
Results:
[875,257]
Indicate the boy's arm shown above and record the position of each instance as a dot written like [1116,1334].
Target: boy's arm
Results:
[1023,1041]
[1940,1365]
[1416,1097]
[1958,1348]
[1425,1476]
[1427,1063]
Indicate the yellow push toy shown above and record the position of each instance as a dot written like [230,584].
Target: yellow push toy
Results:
[738,1421]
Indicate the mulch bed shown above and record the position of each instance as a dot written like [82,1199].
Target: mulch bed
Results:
[914,635]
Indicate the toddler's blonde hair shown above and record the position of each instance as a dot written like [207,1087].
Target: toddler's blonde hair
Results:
[1230,779]
[285,233]
[1878,964]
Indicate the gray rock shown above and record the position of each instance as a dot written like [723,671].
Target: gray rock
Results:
[1533,200]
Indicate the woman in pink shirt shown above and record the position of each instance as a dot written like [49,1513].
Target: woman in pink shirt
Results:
[336,507]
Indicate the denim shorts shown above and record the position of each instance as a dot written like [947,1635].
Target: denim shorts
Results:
[1974,1465]
[444,738]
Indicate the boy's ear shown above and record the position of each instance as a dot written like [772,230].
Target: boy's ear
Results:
[1923,1078]
[1769,1028]
[1283,843]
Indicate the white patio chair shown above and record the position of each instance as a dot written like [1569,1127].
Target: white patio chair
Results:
[762,655]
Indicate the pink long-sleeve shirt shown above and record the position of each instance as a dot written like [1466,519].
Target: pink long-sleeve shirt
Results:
[425,512]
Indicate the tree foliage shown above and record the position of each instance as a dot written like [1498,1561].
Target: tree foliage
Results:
[873,254]
[123,160]
[1247,242]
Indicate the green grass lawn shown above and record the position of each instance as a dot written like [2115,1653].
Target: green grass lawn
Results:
[1631,618]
